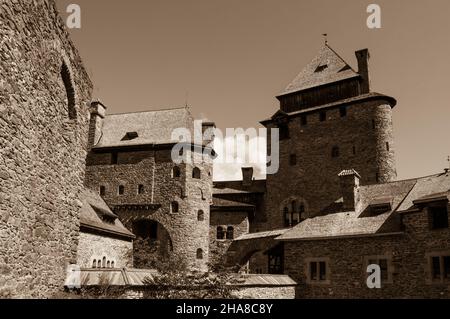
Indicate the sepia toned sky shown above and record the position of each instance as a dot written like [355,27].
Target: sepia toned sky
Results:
[229,58]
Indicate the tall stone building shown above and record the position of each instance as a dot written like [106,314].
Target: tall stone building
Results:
[131,167]
[329,120]
[44,108]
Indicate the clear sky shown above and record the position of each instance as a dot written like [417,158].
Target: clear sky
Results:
[229,58]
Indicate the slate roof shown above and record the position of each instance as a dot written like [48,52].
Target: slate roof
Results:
[426,186]
[94,207]
[334,69]
[143,277]
[226,203]
[116,277]
[400,194]
[263,234]
[152,127]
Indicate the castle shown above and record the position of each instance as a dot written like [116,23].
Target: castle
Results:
[79,186]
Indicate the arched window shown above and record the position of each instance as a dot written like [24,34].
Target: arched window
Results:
[196,173]
[102,190]
[335,151]
[112,264]
[174,207]
[176,172]
[108,264]
[200,216]
[230,232]
[94,263]
[70,91]
[199,253]
[99,263]
[220,233]
[121,190]
[104,262]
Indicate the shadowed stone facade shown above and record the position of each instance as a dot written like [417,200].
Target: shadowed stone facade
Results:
[44,110]
[140,182]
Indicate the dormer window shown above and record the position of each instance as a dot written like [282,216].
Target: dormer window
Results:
[321,67]
[130,136]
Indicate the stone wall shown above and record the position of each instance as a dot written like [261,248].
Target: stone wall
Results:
[96,247]
[44,98]
[268,292]
[361,137]
[218,247]
[408,255]
[153,170]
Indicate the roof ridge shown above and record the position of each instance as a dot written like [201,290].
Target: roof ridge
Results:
[151,111]
[340,57]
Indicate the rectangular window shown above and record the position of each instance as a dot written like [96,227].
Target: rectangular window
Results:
[438,216]
[141,189]
[318,271]
[385,267]
[440,268]
[387,146]
[322,116]
[102,190]
[343,111]
[284,131]
[293,159]
[304,120]
[114,158]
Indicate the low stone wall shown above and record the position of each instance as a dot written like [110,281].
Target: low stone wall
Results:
[92,246]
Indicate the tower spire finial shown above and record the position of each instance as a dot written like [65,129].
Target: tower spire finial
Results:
[325,38]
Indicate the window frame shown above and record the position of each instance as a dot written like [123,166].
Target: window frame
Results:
[390,267]
[317,261]
[442,279]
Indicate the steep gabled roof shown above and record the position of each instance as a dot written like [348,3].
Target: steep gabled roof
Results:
[143,128]
[327,67]
[91,216]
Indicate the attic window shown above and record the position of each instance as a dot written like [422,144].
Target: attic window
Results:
[377,209]
[130,136]
[320,68]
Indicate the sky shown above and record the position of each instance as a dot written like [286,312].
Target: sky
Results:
[228,59]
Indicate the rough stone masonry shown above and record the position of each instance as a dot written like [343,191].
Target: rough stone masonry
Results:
[44,98]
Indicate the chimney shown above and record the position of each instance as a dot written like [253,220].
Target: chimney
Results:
[98,112]
[363,57]
[247,176]
[208,131]
[349,180]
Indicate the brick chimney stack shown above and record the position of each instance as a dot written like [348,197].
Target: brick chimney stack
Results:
[247,176]
[349,180]
[98,112]
[363,57]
